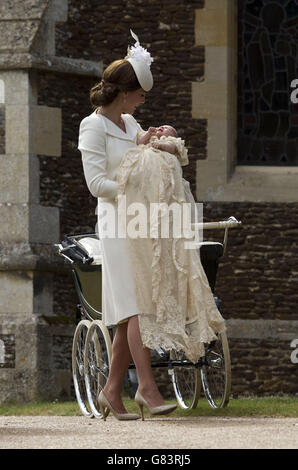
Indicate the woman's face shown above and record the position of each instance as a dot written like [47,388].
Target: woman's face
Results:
[133,100]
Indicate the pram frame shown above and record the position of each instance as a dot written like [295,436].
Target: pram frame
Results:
[179,368]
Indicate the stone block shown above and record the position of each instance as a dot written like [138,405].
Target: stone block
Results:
[17,125]
[217,141]
[217,4]
[14,222]
[2,91]
[17,34]
[29,372]
[211,27]
[33,130]
[44,42]
[19,87]
[209,101]
[19,178]
[282,330]
[43,293]
[221,66]
[16,293]
[46,131]
[27,9]
[211,180]
[26,293]
[44,224]
[216,64]
[216,23]
[57,12]
[249,183]
[29,223]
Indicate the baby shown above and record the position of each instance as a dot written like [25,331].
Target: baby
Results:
[165,138]
[152,159]
[166,131]
[151,171]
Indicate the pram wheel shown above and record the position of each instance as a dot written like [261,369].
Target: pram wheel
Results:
[78,348]
[186,380]
[97,360]
[216,372]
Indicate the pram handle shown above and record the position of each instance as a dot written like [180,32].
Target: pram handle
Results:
[61,250]
[231,222]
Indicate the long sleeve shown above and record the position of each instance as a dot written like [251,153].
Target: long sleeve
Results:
[94,159]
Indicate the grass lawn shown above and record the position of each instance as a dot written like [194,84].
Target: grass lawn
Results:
[285,406]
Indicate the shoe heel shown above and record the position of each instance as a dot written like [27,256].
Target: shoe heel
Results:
[141,410]
[154,410]
[105,408]
[102,410]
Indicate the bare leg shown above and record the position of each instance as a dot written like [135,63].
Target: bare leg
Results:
[141,356]
[121,358]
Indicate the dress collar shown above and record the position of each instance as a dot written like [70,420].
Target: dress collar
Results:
[112,129]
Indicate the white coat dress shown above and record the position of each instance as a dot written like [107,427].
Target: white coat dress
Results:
[102,145]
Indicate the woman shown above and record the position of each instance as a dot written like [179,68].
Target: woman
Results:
[104,138]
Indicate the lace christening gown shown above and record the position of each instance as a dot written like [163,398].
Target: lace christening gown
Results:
[171,287]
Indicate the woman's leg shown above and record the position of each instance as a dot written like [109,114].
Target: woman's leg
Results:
[142,360]
[121,358]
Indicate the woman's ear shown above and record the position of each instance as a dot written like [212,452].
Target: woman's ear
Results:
[124,96]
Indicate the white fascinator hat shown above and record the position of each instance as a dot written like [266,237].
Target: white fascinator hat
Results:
[141,60]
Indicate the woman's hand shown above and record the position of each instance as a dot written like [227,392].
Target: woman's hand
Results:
[165,146]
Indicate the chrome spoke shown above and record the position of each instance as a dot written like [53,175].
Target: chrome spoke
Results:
[216,373]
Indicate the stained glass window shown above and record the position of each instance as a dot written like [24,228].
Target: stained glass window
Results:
[267,64]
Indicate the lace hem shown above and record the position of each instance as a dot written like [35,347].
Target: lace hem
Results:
[186,314]
[155,336]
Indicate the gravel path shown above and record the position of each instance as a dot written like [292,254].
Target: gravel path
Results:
[78,432]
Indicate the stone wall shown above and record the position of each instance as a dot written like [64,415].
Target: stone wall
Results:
[101,30]
[262,367]
[257,282]
[62,181]
[28,328]
[257,279]
[96,31]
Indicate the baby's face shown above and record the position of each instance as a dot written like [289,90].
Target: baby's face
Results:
[165,130]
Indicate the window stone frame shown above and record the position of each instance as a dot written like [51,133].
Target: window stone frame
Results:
[218,177]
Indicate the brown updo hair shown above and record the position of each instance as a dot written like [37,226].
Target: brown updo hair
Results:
[118,76]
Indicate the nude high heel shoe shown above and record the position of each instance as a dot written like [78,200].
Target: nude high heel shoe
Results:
[154,410]
[106,407]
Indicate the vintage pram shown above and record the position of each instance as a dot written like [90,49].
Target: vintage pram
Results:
[92,342]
